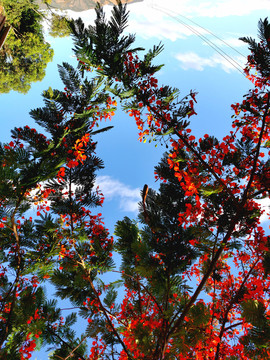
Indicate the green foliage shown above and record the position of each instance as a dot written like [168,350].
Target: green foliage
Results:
[161,248]
[209,190]
[59,26]
[113,64]
[257,339]
[15,11]
[260,51]
[25,54]
[102,44]
[266,260]
[29,168]
[23,60]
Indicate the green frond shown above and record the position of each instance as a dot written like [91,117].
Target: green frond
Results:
[70,77]
[119,18]
[261,51]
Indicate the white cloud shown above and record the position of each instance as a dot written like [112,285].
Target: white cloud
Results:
[211,8]
[149,19]
[265,205]
[233,42]
[88,16]
[113,189]
[163,29]
[191,60]
[164,20]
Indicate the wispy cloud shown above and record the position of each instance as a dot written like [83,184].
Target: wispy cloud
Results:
[265,205]
[191,60]
[114,189]
[156,18]
[202,8]
[166,29]
[170,20]
[233,42]
[126,197]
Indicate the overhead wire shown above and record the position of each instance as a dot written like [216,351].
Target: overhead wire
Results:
[228,58]
[210,32]
[222,53]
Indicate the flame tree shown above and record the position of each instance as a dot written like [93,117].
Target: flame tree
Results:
[203,224]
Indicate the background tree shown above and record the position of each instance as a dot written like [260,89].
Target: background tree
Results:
[25,54]
[23,61]
[59,26]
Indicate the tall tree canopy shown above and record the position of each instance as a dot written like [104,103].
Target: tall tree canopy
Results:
[194,276]
[25,54]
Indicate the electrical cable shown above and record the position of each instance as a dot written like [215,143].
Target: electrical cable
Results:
[222,53]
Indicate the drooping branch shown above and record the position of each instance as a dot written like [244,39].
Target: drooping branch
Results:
[73,350]
[256,157]
[207,274]
[13,289]
[102,308]
[230,305]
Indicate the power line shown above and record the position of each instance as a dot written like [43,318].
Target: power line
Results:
[222,53]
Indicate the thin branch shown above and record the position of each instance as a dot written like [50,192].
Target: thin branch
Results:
[103,309]
[266,113]
[234,325]
[232,302]
[53,333]
[207,274]
[144,287]
[71,353]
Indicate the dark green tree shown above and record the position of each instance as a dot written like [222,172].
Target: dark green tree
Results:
[165,244]
[155,254]
[56,172]
[25,53]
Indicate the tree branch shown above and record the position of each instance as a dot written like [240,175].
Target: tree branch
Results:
[232,302]
[103,309]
